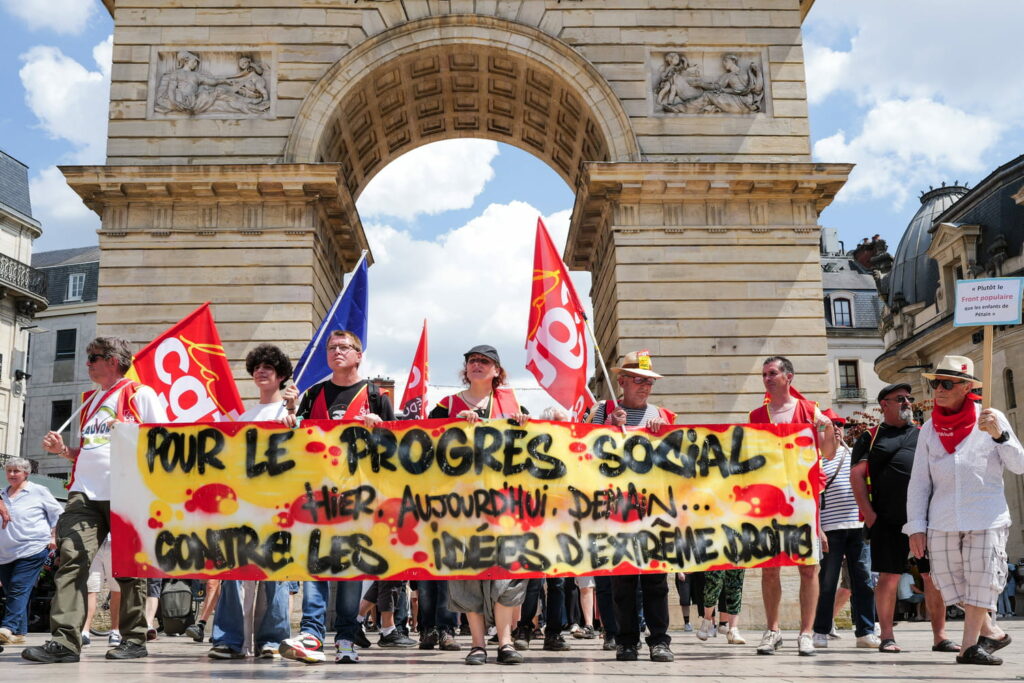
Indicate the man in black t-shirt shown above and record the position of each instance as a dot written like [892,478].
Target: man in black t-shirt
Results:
[885,456]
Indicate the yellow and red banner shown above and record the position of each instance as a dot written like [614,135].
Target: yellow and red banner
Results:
[187,368]
[439,498]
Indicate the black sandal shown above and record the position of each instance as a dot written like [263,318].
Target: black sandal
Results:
[507,654]
[476,656]
[889,646]
[946,645]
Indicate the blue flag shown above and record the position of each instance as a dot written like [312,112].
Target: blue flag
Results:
[349,312]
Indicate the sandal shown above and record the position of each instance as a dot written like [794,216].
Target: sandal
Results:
[889,645]
[946,646]
[477,655]
[507,655]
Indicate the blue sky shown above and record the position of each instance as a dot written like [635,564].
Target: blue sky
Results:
[915,92]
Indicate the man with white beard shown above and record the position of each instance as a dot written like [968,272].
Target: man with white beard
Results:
[886,454]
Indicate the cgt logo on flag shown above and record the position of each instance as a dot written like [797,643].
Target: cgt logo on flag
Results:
[414,398]
[556,345]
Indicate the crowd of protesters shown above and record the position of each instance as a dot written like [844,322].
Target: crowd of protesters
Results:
[929,500]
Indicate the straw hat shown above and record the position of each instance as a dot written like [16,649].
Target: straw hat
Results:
[955,367]
[637,363]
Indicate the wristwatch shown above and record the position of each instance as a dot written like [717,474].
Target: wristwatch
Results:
[1003,438]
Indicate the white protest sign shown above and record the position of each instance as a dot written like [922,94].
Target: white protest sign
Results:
[988,301]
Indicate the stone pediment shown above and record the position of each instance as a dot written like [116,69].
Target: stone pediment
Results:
[947,237]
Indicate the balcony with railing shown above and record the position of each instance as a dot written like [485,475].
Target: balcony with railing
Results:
[24,283]
[851,394]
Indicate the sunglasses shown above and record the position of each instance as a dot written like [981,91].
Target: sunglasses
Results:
[946,384]
[481,360]
[93,357]
[649,381]
[901,399]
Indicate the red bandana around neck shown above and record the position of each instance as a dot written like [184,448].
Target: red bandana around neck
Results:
[953,427]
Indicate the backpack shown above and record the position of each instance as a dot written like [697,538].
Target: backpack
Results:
[176,606]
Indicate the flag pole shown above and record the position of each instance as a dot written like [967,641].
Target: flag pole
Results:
[600,359]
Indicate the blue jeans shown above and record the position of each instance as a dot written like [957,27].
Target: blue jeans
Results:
[848,543]
[19,578]
[434,612]
[346,608]
[269,628]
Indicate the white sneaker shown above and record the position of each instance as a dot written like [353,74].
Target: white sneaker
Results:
[707,630]
[869,641]
[734,637]
[346,653]
[688,628]
[770,642]
[723,629]
[805,645]
[114,639]
[820,640]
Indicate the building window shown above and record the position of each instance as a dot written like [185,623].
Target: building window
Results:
[60,411]
[1011,392]
[842,316]
[66,340]
[848,375]
[76,285]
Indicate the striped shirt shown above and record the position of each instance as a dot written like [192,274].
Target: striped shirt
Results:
[839,508]
[635,417]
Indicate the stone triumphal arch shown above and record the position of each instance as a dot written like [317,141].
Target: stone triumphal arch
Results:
[242,131]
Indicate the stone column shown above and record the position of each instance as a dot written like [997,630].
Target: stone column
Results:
[267,245]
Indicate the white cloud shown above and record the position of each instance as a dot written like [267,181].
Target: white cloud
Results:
[65,219]
[902,142]
[825,70]
[473,287]
[70,100]
[430,180]
[59,16]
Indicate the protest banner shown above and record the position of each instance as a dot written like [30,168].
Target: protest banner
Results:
[988,302]
[440,498]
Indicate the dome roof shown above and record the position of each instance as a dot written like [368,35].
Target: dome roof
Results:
[915,275]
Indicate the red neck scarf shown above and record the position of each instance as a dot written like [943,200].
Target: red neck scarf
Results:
[953,427]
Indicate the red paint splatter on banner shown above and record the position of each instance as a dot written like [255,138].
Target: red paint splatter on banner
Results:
[315,447]
[804,441]
[764,500]
[524,522]
[577,447]
[155,523]
[334,450]
[208,498]
[125,544]
[249,572]
[721,429]
[403,530]
[803,485]
[789,445]
[419,556]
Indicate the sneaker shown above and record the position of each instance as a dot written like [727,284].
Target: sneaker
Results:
[870,640]
[128,650]
[224,652]
[5,635]
[723,629]
[448,644]
[268,651]
[114,639]
[346,652]
[556,644]
[508,655]
[688,627]
[304,648]
[625,653]
[360,639]
[609,642]
[86,640]
[476,656]
[395,639]
[151,634]
[586,633]
[707,630]
[734,637]
[805,645]
[428,639]
[196,632]
[834,632]
[770,642]
[50,652]
[661,653]
[820,640]
[521,638]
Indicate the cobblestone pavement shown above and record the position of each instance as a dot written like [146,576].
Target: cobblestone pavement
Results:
[180,659]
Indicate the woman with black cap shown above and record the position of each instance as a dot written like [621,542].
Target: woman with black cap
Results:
[956,504]
[489,601]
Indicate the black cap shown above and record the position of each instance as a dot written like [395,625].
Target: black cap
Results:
[483,350]
[893,387]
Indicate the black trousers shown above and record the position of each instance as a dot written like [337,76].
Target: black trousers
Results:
[654,588]
[555,606]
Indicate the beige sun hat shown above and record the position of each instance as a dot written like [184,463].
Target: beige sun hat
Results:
[637,363]
[955,367]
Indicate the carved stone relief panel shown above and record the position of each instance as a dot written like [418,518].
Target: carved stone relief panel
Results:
[705,81]
[217,83]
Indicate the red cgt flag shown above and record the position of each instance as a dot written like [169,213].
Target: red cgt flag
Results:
[414,398]
[556,341]
[187,368]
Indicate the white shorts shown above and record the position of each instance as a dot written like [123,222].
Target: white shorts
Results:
[585,581]
[969,567]
[101,570]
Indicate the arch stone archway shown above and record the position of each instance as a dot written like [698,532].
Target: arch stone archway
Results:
[240,135]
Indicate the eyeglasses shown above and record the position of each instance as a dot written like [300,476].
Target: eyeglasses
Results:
[649,381]
[946,384]
[480,360]
[93,357]
[901,399]
[340,348]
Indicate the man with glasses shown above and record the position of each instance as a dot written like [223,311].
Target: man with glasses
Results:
[636,378]
[345,396]
[86,519]
[884,456]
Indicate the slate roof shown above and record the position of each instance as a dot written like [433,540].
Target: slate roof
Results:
[65,257]
[14,184]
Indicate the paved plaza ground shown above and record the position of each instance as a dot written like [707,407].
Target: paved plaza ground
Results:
[180,659]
